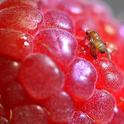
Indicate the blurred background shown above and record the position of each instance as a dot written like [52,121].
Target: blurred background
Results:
[118,7]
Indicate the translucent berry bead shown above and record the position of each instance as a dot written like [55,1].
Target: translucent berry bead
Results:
[73,7]
[109,76]
[78,117]
[22,18]
[118,116]
[81,80]
[14,44]
[59,19]
[8,71]
[14,94]
[58,43]
[60,107]
[29,114]
[50,4]
[100,106]
[40,76]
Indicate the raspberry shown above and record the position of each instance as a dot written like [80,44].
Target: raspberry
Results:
[3,120]
[84,24]
[58,19]
[25,19]
[10,3]
[44,75]
[78,117]
[13,95]
[31,114]
[109,30]
[52,4]
[118,116]
[109,77]
[8,71]
[52,71]
[16,44]
[60,107]
[100,106]
[2,110]
[117,56]
[61,46]
[81,80]
[72,7]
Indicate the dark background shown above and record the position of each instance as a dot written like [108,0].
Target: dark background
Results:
[117,6]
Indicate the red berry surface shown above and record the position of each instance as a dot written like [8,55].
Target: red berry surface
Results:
[19,46]
[72,7]
[52,70]
[8,71]
[13,94]
[2,110]
[81,80]
[118,116]
[109,77]
[83,24]
[58,43]
[25,19]
[31,114]
[58,19]
[78,117]
[44,78]
[60,107]
[3,120]
[100,106]
[12,3]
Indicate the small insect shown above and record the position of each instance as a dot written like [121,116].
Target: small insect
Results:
[96,44]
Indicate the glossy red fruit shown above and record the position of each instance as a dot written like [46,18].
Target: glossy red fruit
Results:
[49,4]
[100,106]
[108,29]
[58,19]
[8,71]
[82,25]
[16,44]
[60,108]
[3,120]
[21,18]
[118,116]
[14,94]
[12,3]
[2,110]
[40,76]
[109,76]
[73,7]
[58,43]
[29,114]
[78,117]
[37,37]
[81,80]
[119,45]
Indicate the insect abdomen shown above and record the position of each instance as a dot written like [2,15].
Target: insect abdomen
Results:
[100,46]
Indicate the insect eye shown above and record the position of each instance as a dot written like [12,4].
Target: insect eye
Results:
[87,33]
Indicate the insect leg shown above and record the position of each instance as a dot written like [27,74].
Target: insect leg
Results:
[93,51]
[108,54]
